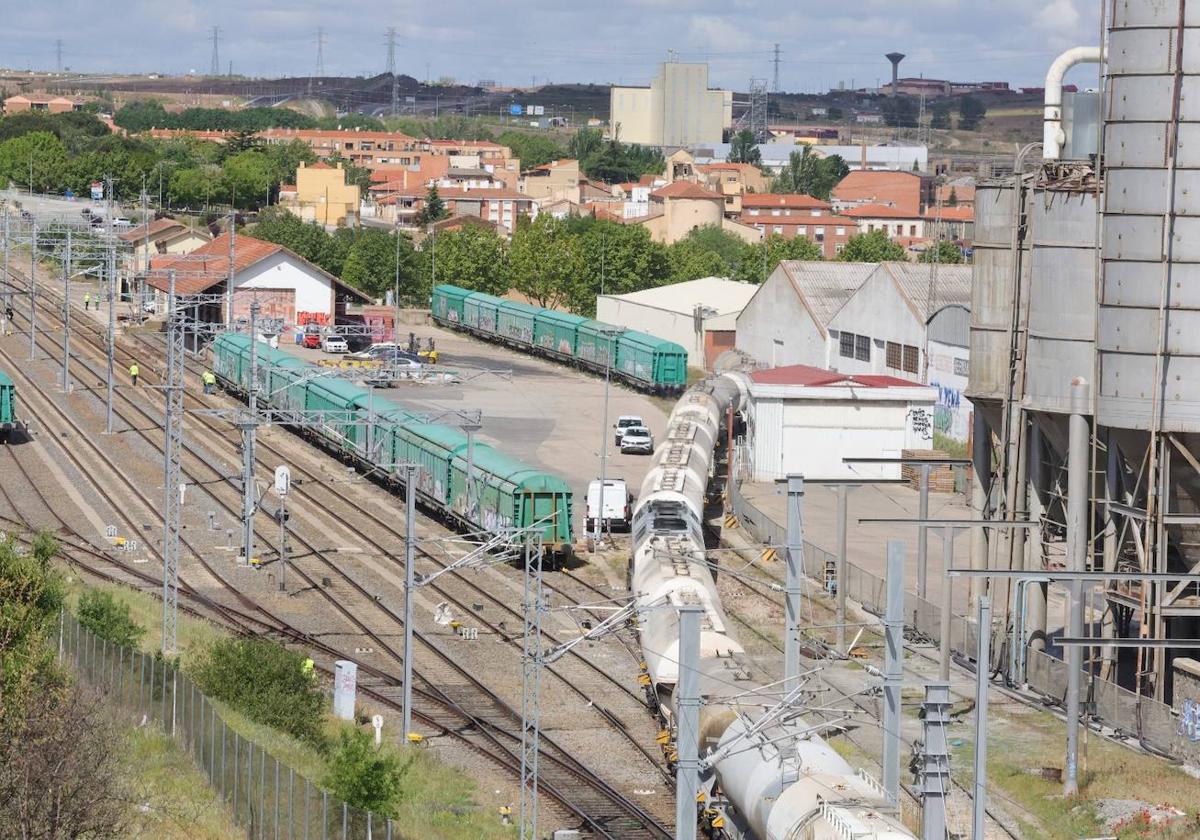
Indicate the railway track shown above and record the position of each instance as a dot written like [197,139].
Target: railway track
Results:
[495,718]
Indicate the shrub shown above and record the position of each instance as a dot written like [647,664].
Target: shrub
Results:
[109,618]
[365,776]
[264,681]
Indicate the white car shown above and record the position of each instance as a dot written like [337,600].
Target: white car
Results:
[637,439]
[334,343]
[624,422]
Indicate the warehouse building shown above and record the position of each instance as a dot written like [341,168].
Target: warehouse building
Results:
[676,109]
[286,286]
[700,315]
[804,420]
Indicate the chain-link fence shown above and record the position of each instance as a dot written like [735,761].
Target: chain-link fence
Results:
[269,798]
[1155,724]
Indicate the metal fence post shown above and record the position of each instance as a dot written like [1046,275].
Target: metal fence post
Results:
[224,736]
[345,820]
[262,791]
[142,685]
[324,815]
[174,692]
[275,761]
[237,770]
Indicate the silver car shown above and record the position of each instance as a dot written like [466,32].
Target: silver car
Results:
[637,439]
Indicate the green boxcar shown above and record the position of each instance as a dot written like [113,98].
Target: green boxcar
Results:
[431,447]
[8,404]
[557,332]
[648,359]
[447,303]
[480,312]
[512,494]
[343,400]
[514,321]
[594,347]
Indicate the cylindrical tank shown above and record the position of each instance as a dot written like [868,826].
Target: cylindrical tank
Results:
[1062,295]
[1142,108]
[991,296]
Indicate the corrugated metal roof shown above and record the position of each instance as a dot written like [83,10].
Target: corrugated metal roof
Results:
[826,286]
[725,296]
[952,285]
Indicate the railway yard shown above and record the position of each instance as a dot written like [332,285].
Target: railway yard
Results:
[601,767]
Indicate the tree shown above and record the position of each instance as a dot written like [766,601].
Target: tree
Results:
[899,111]
[371,263]
[615,163]
[971,112]
[36,161]
[743,149]
[952,200]
[196,187]
[759,259]
[360,176]
[940,118]
[872,247]
[286,158]
[945,252]
[532,149]
[243,140]
[365,776]
[434,209]
[350,122]
[248,178]
[808,173]
[690,256]
[545,261]
[472,257]
[618,259]
[142,116]
[586,142]
[109,618]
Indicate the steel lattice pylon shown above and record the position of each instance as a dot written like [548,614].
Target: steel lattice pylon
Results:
[758,109]
[172,468]
[531,686]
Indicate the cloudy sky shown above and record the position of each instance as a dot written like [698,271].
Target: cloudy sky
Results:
[517,41]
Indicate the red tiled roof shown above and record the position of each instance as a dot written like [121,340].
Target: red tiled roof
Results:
[319,165]
[793,201]
[343,133]
[815,377]
[686,189]
[157,227]
[209,264]
[879,211]
[717,167]
[287,187]
[951,214]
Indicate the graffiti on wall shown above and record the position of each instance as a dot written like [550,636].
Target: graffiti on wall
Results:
[1189,721]
[922,424]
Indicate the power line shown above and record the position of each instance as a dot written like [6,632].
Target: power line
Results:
[215,37]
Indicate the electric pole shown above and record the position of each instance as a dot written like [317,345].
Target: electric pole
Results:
[172,466]
[66,374]
[775,85]
[391,66]
[215,37]
[320,51]
[58,54]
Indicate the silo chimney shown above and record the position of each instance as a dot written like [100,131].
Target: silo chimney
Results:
[895,58]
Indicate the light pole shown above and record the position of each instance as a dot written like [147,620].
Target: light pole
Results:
[609,334]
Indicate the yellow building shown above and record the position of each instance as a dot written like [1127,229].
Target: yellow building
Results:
[677,109]
[323,196]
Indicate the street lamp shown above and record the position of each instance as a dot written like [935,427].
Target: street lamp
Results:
[610,333]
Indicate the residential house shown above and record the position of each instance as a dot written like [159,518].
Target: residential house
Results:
[825,229]
[161,236]
[683,206]
[732,180]
[362,148]
[553,181]
[906,191]
[906,227]
[51,103]
[502,207]
[323,196]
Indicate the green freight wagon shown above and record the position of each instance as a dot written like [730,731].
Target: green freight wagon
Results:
[651,361]
[431,447]
[514,322]
[557,333]
[8,405]
[480,312]
[446,304]
[597,344]
[512,494]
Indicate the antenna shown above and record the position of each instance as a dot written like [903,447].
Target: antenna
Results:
[58,52]
[320,51]
[775,86]
[391,66]
[215,37]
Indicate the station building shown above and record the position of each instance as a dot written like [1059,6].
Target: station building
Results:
[286,285]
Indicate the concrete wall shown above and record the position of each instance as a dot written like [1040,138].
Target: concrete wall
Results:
[877,310]
[948,367]
[812,436]
[677,109]
[323,196]
[777,330]
[683,215]
[632,116]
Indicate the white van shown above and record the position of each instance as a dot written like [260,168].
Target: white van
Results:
[617,507]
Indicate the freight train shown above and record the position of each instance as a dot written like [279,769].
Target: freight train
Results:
[769,780]
[644,361]
[8,406]
[381,435]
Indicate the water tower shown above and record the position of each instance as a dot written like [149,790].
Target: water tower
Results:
[895,58]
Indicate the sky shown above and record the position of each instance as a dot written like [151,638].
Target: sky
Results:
[520,42]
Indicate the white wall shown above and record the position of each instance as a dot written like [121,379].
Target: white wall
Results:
[812,436]
[952,414]
[777,330]
[314,292]
[877,310]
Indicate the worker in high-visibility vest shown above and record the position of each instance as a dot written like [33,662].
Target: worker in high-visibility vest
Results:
[87,301]
[133,373]
[307,667]
[210,381]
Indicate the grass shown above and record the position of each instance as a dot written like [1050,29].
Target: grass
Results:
[174,800]
[1023,740]
[437,801]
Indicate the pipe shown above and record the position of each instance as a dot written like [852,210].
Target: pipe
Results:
[1077,556]
[1053,136]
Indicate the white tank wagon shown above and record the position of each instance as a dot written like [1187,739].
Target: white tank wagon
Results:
[775,782]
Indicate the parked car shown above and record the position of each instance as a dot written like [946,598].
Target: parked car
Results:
[624,422]
[334,343]
[637,439]
[615,511]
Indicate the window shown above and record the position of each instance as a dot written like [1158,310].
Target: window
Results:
[899,230]
[870,228]
[912,230]
[862,348]
[814,212]
[892,355]
[775,212]
[841,231]
[846,345]
[778,229]
[911,358]
[802,230]
[838,248]
[754,211]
